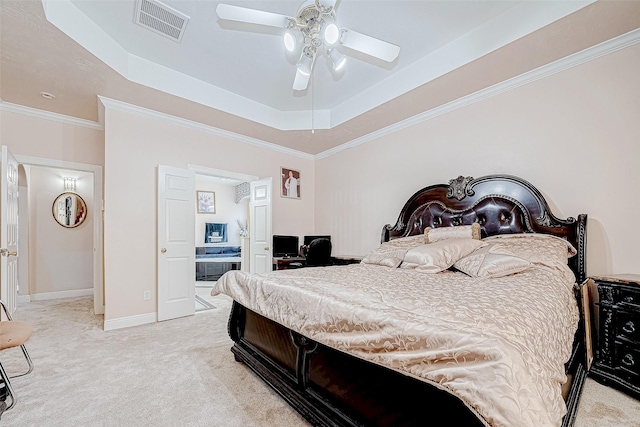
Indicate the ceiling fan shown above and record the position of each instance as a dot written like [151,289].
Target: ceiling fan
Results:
[314,30]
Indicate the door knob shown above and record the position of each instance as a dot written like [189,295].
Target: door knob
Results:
[5,252]
[163,250]
[266,248]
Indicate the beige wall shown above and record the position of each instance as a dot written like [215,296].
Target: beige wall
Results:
[134,146]
[575,135]
[62,258]
[50,139]
[35,136]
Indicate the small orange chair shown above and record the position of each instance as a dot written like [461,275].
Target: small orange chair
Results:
[13,333]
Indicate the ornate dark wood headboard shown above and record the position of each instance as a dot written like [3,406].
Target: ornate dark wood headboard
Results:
[502,204]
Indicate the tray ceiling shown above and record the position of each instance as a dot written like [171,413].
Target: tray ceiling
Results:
[237,77]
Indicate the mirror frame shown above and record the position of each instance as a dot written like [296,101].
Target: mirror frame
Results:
[79,200]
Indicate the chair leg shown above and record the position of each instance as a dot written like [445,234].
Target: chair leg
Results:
[29,362]
[9,390]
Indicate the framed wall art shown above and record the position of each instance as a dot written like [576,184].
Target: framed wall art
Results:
[290,185]
[206,201]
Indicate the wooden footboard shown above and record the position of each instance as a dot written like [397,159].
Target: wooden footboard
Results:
[331,388]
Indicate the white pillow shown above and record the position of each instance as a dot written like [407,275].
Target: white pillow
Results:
[483,263]
[542,250]
[391,253]
[438,256]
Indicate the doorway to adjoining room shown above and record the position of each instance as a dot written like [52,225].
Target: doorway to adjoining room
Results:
[221,230]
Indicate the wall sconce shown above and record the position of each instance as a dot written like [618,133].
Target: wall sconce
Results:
[69,184]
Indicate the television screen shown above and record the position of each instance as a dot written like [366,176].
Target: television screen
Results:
[309,239]
[285,246]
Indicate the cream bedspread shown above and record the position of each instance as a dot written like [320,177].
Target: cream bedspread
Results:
[498,344]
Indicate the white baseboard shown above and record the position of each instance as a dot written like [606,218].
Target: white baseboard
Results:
[60,294]
[126,322]
[24,298]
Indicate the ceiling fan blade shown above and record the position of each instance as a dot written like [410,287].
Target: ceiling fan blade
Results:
[251,16]
[370,45]
[301,81]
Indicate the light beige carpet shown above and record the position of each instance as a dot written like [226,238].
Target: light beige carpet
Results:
[602,406]
[175,373]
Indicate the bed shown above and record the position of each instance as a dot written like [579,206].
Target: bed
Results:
[337,369]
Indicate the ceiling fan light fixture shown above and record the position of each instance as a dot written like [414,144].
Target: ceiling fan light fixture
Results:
[337,59]
[313,30]
[291,40]
[331,34]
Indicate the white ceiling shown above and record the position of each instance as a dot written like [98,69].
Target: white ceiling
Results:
[236,78]
[249,60]
[243,69]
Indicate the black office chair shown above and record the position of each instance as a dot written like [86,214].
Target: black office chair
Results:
[318,253]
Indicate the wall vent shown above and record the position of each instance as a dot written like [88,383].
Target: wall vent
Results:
[161,19]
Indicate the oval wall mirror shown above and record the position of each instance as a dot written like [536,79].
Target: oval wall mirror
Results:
[69,210]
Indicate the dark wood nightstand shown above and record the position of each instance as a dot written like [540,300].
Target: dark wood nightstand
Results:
[617,318]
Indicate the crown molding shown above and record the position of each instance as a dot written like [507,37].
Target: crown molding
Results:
[141,111]
[605,48]
[69,19]
[41,114]
[519,20]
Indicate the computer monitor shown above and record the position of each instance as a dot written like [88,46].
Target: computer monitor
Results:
[309,239]
[285,246]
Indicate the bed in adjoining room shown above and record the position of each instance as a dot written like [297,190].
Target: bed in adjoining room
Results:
[467,314]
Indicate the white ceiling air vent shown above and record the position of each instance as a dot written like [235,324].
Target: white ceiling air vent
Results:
[161,19]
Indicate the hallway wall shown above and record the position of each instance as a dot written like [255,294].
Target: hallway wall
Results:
[61,258]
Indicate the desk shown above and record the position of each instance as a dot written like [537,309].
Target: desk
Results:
[345,259]
[280,263]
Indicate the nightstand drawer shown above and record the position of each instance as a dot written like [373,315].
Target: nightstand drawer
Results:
[628,359]
[628,325]
[628,297]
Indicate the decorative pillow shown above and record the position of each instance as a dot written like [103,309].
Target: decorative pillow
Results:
[391,253]
[542,250]
[458,232]
[438,256]
[483,263]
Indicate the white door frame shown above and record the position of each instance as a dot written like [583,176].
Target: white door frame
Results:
[219,173]
[96,170]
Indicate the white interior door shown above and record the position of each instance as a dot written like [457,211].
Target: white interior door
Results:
[260,226]
[9,230]
[176,242]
